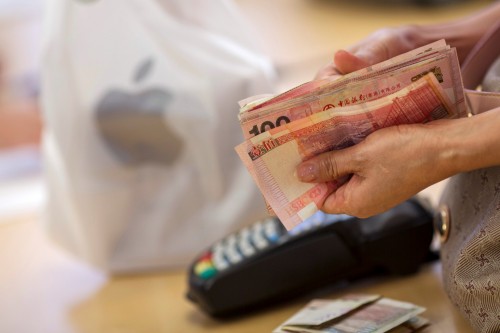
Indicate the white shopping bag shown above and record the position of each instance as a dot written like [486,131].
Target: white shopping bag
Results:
[140,104]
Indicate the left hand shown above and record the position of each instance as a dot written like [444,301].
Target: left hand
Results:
[381,45]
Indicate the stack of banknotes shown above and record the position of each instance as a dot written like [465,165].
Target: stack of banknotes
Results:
[322,115]
[356,313]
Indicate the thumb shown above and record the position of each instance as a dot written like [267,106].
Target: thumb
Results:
[347,62]
[327,166]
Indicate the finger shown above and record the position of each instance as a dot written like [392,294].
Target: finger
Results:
[336,202]
[327,166]
[347,62]
[352,198]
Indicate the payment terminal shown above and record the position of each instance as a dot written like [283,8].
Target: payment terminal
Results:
[263,263]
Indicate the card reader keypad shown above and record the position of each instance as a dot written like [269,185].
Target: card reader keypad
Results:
[238,246]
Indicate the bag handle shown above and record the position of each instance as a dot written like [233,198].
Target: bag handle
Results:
[479,59]
[474,68]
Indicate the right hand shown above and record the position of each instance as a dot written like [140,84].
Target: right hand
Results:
[379,46]
[388,167]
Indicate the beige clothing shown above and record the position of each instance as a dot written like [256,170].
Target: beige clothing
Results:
[471,256]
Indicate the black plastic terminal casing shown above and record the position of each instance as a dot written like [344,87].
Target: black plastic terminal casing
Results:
[396,241]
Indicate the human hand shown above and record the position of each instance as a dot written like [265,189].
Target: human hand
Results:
[386,43]
[379,46]
[388,167]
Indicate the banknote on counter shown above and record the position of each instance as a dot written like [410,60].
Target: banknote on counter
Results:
[323,115]
[355,313]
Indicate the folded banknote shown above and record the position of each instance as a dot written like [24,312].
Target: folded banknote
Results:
[355,313]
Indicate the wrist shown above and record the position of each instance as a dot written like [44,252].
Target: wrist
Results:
[462,34]
[467,144]
[456,35]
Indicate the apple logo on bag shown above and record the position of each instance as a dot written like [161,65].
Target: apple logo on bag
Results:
[133,125]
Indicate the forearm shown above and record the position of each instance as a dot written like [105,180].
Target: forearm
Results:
[470,143]
[462,34]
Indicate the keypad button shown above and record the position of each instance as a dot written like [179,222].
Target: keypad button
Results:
[201,266]
[206,256]
[232,253]
[271,231]
[246,248]
[257,237]
[204,269]
[245,233]
[208,273]
[259,241]
[220,262]
[258,227]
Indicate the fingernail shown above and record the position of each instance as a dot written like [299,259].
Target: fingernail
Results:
[307,172]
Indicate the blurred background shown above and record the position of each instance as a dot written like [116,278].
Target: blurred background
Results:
[298,36]
[20,118]
[42,289]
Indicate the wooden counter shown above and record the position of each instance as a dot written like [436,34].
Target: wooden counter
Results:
[43,289]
